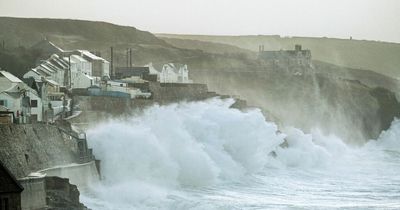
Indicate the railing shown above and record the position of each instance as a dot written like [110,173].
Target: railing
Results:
[84,153]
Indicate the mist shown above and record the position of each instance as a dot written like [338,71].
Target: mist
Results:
[361,19]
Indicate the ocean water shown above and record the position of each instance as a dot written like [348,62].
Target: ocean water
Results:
[204,155]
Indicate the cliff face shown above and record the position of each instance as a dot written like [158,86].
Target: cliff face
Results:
[32,147]
[347,108]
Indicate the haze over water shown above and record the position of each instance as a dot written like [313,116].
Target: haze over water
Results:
[204,155]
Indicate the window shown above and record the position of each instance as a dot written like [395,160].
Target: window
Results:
[3,103]
[33,103]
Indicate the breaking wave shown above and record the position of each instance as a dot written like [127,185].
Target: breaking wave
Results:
[177,156]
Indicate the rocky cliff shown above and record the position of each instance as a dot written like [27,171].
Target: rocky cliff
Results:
[347,108]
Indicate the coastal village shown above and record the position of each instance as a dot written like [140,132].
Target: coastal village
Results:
[44,92]
[45,96]
[57,90]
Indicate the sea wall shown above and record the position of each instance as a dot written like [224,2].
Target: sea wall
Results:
[172,92]
[114,105]
[95,109]
[32,147]
[44,158]
[81,175]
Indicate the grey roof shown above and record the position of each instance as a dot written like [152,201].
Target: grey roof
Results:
[10,77]
[175,66]
[59,63]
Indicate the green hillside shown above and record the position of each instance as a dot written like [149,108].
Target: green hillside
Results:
[27,31]
[381,57]
[209,47]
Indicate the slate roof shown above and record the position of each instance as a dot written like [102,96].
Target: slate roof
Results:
[8,183]
[90,56]
[175,66]
[10,77]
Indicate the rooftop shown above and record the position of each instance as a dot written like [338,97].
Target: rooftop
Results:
[90,55]
[10,77]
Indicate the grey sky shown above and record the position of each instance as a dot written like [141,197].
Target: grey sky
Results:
[362,19]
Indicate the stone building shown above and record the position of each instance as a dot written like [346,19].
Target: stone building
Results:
[286,58]
[175,73]
[10,190]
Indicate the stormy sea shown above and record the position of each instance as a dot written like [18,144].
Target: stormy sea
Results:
[205,155]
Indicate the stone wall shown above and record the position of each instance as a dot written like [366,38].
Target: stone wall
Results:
[98,108]
[113,105]
[34,194]
[32,147]
[49,193]
[172,92]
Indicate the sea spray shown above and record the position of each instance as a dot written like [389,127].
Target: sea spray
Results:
[181,145]
[205,155]
[388,140]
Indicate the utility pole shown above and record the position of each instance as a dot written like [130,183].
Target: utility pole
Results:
[127,57]
[130,57]
[69,71]
[112,63]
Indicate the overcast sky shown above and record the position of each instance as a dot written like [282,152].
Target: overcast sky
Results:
[362,19]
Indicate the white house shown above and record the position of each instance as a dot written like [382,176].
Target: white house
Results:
[100,66]
[19,98]
[81,80]
[36,105]
[54,68]
[81,71]
[174,73]
[79,64]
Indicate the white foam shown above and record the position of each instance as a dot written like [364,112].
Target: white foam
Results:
[389,139]
[181,145]
[149,159]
